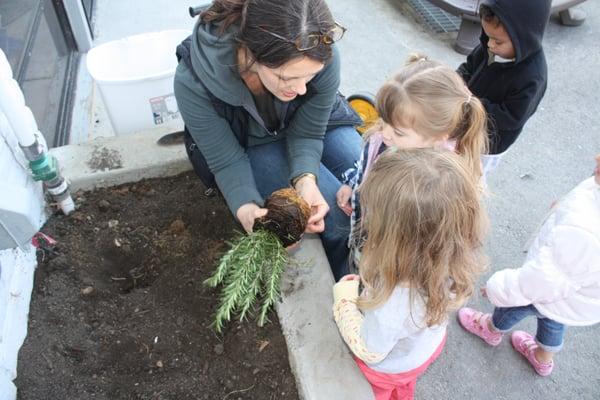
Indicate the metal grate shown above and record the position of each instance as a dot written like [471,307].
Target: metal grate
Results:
[433,17]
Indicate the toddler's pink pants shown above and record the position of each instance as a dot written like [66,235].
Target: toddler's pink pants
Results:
[396,386]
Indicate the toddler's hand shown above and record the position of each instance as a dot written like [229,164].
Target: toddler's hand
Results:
[345,290]
[350,277]
[343,199]
[483,291]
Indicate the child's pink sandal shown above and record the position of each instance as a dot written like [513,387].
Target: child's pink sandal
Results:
[477,323]
[524,343]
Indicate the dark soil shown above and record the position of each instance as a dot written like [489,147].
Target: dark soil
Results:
[118,309]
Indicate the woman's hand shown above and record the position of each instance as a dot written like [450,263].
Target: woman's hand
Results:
[247,213]
[308,189]
[343,199]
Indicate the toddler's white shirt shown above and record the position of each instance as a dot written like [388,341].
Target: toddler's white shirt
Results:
[396,329]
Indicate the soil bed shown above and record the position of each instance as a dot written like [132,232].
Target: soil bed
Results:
[118,310]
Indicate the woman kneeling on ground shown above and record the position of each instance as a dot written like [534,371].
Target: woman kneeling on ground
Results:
[257,87]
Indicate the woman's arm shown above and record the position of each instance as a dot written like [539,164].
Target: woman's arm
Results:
[212,134]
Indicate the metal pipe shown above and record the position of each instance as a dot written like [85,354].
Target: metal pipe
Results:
[44,167]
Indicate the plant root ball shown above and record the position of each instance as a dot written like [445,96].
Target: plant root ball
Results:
[287,216]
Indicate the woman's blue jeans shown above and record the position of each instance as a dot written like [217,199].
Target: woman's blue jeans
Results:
[549,333]
[341,148]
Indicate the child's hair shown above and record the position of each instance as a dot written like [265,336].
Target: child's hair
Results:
[432,99]
[425,226]
[488,15]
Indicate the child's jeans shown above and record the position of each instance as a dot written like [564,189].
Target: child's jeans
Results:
[396,386]
[549,333]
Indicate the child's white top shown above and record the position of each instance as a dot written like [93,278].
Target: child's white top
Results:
[561,275]
[396,329]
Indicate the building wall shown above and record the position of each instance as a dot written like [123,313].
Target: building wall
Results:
[17,264]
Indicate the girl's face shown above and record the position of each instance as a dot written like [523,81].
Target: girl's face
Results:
[406,138]
[290,79]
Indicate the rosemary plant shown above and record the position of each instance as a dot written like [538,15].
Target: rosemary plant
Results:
[250,271]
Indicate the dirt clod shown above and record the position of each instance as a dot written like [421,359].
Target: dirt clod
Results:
[177,227]
[103,205]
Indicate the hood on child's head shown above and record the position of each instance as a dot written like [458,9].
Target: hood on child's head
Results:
[525,22]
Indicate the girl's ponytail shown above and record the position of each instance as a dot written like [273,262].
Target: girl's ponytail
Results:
[471,133]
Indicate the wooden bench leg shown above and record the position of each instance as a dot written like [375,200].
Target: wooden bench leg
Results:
[572,17]
[468,36]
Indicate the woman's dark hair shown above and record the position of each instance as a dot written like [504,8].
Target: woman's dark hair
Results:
[261,21]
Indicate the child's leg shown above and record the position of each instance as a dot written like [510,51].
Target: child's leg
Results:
[382,393]
[490,327]
[479,324]
[399,386]
[405,392]
[504,318]
[549,337]
[381,384]
[540,352]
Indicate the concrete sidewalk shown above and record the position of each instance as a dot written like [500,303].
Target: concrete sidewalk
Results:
[554,153]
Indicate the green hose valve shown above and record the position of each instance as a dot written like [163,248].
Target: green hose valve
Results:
[44,169]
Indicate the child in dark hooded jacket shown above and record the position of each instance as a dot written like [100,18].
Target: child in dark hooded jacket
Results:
[507,70]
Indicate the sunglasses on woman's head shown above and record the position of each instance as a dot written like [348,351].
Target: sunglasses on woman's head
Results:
[312,40]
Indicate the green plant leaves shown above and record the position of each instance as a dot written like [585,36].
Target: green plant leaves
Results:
[249,272]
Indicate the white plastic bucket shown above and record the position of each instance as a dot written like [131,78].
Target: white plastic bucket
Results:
[135,77]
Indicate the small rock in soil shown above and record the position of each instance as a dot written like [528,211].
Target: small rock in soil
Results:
[78,216]
[219,349]
[88,290]
[103,205]
[113,223]
[180,321]
[159,364]
[177,227]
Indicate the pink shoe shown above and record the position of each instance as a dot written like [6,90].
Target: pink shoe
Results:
[477,323]
[524,343]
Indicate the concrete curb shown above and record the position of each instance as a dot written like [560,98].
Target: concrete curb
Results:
[121,159]
[320,361]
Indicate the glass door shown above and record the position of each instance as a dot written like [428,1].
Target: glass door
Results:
[36,38]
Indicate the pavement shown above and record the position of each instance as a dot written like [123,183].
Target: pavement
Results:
[554,153]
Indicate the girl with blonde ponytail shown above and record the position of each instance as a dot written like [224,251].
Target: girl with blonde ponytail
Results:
[425,104]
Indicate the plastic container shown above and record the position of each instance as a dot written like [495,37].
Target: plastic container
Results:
[135,77]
